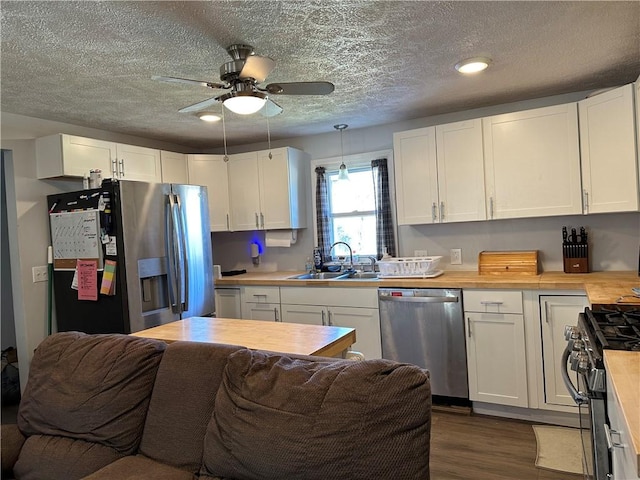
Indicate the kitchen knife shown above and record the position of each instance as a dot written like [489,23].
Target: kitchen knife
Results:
[574,241]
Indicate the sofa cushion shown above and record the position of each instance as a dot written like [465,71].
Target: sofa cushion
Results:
[91,387]
[182,402]
[139,467]
[61,458]
[277,417]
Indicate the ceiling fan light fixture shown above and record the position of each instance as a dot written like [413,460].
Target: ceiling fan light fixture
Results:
[209,117]
[244,103]
[473,65]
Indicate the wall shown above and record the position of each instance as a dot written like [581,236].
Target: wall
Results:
[615,238]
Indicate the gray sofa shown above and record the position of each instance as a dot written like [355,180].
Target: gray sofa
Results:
[103,407]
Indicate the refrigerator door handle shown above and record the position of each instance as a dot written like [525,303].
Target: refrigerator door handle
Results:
[182,242]
[172,255]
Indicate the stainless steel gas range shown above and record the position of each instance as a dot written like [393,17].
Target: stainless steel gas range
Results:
[597,330]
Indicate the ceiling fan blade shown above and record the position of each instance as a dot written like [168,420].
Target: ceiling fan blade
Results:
[300,88]
[270,109]
[257,67]
[199,106]
[188,81]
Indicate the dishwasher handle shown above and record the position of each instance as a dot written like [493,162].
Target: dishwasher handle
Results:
[439,299]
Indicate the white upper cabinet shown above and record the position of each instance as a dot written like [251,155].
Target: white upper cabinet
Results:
[71,156]
[211,171]
[267,189]
[174,167]
[460,171]
[416,177]
[532,163]
[137,163]
[608,151]
[439,173]
[64,155]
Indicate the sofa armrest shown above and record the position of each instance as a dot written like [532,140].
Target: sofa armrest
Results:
[12,441]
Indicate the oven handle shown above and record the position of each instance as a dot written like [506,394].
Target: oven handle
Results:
[578,397]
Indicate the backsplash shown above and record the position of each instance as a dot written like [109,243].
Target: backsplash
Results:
[614,240]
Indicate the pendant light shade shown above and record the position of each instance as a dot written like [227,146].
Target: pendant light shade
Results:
[343,172]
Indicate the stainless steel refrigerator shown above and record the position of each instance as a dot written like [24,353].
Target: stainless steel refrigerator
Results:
[156,239]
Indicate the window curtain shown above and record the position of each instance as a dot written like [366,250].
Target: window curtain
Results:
[385,237]
[322,213]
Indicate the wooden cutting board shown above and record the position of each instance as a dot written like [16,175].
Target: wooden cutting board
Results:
[516,262]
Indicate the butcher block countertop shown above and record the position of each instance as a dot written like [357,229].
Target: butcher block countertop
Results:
[623,369]
[602,288]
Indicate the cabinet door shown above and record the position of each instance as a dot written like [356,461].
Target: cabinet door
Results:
[268,312]
[174,167]
[138,163]
[416,176]
[366,321]
[532,163]
[244,191]
[72,156]
[460,171]
[556,312]
[608,150]
[275,199]
[309,314]
[228,303]
[496,358]
[211,171]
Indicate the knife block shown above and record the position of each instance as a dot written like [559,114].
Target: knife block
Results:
[573,264]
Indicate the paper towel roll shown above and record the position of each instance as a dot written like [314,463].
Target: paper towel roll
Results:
[280,238]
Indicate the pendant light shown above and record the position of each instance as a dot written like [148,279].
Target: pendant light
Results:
[343,172]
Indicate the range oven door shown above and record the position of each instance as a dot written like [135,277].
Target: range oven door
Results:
[593,417]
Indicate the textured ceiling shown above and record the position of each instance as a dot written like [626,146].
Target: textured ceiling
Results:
[90,63]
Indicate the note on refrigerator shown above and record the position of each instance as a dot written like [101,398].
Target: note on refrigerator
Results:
[87,271]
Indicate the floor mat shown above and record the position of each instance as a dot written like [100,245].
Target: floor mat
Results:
[559,448]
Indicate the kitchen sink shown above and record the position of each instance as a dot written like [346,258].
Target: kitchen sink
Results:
[319,276]
[336,276]
[361,276]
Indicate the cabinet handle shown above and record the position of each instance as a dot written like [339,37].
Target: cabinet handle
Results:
[608,431]
[257,224]
[441,211]
[227,221]
[114,167]
[261,220]
[323,322]
[546,312]
[275,314]
[434,212]
[468,327]
[122,167]
[329,316]
[491,208]
[489,302]
[586,201]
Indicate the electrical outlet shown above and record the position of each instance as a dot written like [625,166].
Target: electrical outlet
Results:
[40,274]
[456,256]
[420,253]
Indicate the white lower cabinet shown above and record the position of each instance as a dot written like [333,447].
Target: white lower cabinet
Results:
[261,303]
[496,356]
[557,311]
[228,303]
[348,307]
[623,457]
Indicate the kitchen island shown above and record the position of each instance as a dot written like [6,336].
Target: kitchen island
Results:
[292,338]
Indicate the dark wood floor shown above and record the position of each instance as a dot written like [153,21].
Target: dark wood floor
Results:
[485,448]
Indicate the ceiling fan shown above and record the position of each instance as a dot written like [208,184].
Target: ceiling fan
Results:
[242,76]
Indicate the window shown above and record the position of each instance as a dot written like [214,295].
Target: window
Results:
[352,212]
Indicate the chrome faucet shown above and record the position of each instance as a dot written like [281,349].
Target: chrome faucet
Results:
[350,252]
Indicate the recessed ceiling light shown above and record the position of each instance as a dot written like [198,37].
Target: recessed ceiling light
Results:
[473,65]
[208,117]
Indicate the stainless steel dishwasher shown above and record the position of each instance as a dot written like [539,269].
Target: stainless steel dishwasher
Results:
[425,327]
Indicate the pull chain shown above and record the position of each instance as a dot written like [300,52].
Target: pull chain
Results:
[224,137]
[269,138]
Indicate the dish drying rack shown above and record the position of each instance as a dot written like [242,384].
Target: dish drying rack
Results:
[410,267]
